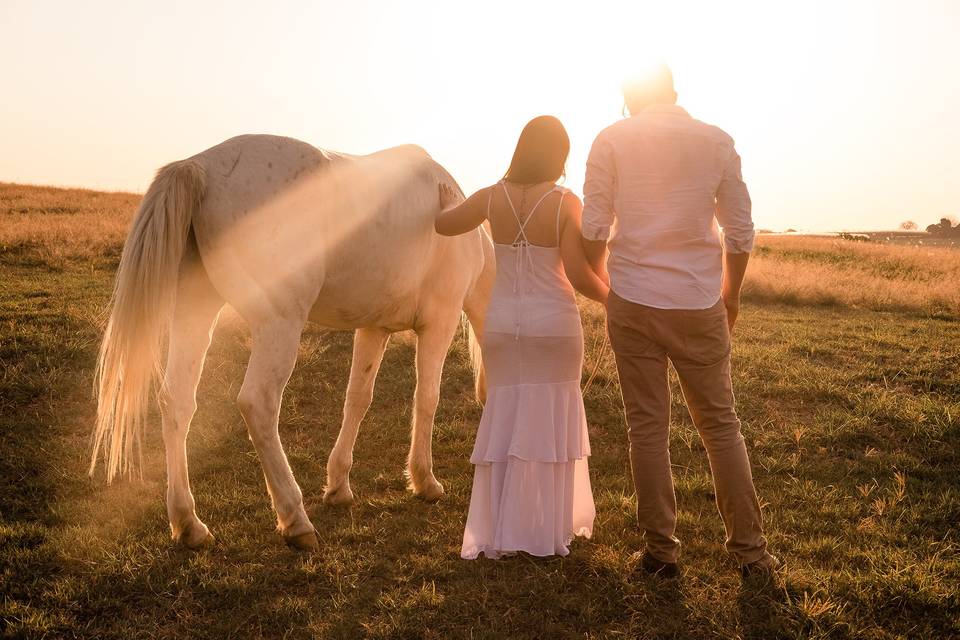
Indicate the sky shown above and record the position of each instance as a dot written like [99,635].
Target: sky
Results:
[844,112]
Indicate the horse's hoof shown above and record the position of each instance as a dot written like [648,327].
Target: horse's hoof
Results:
[196,537]
[339,496]
[431,492]
[304,542]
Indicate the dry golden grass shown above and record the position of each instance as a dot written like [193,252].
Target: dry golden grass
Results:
[852,419]
[52,225]
[828,271]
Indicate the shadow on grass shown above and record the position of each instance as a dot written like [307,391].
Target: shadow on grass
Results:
[760,602]
[668,606]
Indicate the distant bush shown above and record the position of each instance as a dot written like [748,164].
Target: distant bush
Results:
[944,229]
[909,225]
[856,237]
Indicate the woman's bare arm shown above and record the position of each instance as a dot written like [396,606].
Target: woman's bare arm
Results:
[575,264]
[455,218]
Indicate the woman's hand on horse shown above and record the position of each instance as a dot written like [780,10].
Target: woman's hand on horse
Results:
[448,196]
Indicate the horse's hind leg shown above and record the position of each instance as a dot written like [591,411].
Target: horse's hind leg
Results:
[194,317]
[275,344]
[433,340]
[368,346]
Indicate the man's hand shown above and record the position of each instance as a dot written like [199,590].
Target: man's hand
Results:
[732,305]
[596,253]
[734,268]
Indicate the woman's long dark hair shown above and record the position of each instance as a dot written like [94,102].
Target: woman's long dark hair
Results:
[541,153]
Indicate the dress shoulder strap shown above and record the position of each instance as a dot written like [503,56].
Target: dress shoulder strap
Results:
[506,193]
[563,192]
[542,198]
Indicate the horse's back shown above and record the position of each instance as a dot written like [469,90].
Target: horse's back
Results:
[350,238]
[249,171]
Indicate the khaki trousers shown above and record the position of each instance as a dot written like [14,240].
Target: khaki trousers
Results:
[697,342]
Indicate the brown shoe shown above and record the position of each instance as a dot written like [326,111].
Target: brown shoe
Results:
[658,568]
[765,567]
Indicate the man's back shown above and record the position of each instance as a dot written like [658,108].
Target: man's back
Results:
[658,182]
[657,185]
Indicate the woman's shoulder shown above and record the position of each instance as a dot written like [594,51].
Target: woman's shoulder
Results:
[571,208]
[484,194]
[489,189]
[570,197]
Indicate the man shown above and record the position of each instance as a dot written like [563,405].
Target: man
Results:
[656,186]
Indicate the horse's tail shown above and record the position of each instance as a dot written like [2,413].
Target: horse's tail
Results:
[143,296]
[476,363]
[476,307]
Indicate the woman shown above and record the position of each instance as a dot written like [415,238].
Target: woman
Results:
[531,486]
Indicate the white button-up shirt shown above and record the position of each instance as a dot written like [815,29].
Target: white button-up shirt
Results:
[657,184]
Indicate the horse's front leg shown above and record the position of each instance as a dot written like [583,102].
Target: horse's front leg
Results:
[272,358]
[433,340]
[368,346]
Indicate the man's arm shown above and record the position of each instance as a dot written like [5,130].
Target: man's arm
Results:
[599,189]
[734,215]
[596,252]
[734,268]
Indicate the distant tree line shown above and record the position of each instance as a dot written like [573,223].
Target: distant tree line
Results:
[946,228]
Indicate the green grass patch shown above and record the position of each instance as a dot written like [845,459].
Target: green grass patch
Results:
[851,417]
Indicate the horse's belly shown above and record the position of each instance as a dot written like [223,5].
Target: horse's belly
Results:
[375,281]
[394,313]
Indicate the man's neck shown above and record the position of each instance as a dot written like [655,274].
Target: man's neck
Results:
[670,108]
[653,106]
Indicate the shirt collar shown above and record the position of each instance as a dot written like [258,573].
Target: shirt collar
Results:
[672,109]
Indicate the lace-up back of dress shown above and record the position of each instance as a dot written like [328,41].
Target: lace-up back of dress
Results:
[526,215]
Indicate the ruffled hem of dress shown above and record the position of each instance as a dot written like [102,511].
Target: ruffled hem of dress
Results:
[534,507]
[543,422]
[495,554]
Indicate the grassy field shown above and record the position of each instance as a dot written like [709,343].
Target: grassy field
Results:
[847,370]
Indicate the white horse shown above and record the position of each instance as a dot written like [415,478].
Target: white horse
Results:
[284,233]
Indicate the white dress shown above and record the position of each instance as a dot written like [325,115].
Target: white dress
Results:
[531,486]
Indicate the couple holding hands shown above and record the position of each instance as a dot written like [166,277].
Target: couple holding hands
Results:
[657,185]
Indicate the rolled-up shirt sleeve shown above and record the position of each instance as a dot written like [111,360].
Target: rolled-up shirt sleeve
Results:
[734,208]
[599,188]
